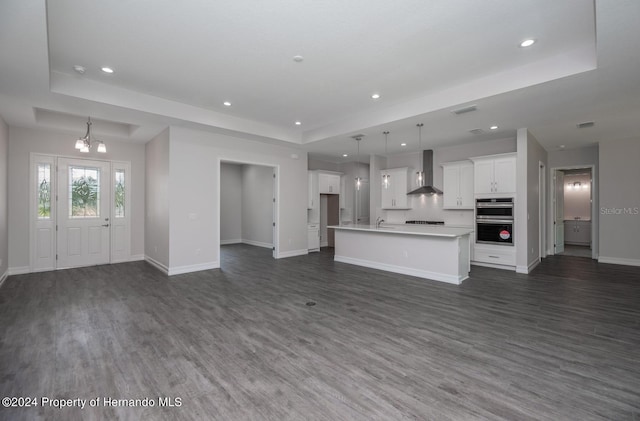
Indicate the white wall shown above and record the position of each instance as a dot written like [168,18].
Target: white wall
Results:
[4,199]
[257,205]
[194,211]
[577,201]
[230,203]
[535,155]
[157,199]
[619,201]
[319,164]
[24,141]
[527,212]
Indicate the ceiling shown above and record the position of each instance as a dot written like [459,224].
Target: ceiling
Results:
[177,62]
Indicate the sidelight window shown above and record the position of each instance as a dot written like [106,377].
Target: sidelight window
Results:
[44,191]
[119,194]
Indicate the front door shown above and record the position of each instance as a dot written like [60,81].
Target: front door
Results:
[84,199]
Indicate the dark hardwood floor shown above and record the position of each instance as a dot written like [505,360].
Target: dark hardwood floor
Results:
[240,343]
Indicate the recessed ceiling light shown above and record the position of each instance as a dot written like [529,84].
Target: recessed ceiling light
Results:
[403,144]
[298,123]
[79,69]
[298,59]
[345,155]
[375,96]
[107,69]
[493,127]
[527,42]
[561,146]
[227,104]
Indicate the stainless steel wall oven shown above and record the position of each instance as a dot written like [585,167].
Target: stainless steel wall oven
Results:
[494,221]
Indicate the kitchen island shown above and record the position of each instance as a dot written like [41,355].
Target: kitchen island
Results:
[440,253]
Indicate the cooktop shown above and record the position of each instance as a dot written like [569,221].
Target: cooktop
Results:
[425,222]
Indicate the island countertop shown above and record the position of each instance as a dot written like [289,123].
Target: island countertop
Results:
[425,230]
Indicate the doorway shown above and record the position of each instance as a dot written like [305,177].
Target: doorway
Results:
[248,206]
[329,215]
[573,211]
[79,212]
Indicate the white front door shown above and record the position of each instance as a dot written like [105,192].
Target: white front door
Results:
[83,216]
[558,219]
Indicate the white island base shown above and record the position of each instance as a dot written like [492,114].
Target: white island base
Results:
[439,253]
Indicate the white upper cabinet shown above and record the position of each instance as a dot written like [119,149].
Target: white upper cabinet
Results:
[495,174]
[328,183]
[314,197]
[458,185]
[394,192]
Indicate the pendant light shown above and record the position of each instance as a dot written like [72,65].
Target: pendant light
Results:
[84,143]
[420,173]
[386,178]
[358,178]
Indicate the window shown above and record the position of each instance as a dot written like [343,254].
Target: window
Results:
[44,191]
[119,194]
[84,192]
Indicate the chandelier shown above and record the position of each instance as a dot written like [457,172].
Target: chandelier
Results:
[84,143]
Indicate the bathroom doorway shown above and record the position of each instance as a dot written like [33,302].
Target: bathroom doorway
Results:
[573,212]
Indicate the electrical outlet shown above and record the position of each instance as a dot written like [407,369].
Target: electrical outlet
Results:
[198,252]
[406,254]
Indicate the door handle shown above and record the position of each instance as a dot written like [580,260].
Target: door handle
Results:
[105,225]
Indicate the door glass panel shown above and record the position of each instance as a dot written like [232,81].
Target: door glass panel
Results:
[84,192]
[44,191]
[119,194]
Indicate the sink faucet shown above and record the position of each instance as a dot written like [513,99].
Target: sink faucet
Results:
[379,222]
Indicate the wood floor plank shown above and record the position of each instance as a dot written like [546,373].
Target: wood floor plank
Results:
[240,342]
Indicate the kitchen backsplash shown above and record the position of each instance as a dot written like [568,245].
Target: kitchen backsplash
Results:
[429,208]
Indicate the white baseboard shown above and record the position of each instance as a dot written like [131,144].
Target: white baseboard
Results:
[232,241]
[324,244]
[157,264]
[20,270]
[179,270]
[442,277]
[258,244]
[619,261]
[132,258]
[4,277]
[527,269]
[292,253]
[493,265]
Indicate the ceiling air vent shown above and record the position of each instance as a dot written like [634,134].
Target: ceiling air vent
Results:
[476,131]
[464,110]
[585,125]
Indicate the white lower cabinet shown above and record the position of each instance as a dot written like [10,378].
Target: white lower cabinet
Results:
[313,238]
[577,232]
[494,255]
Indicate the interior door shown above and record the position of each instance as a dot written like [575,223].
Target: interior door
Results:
[558,218]
[83,217]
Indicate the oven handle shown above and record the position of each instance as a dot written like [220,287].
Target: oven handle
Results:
[495,221]
[494,205]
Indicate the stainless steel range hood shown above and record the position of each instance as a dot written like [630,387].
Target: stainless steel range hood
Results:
[427,167]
